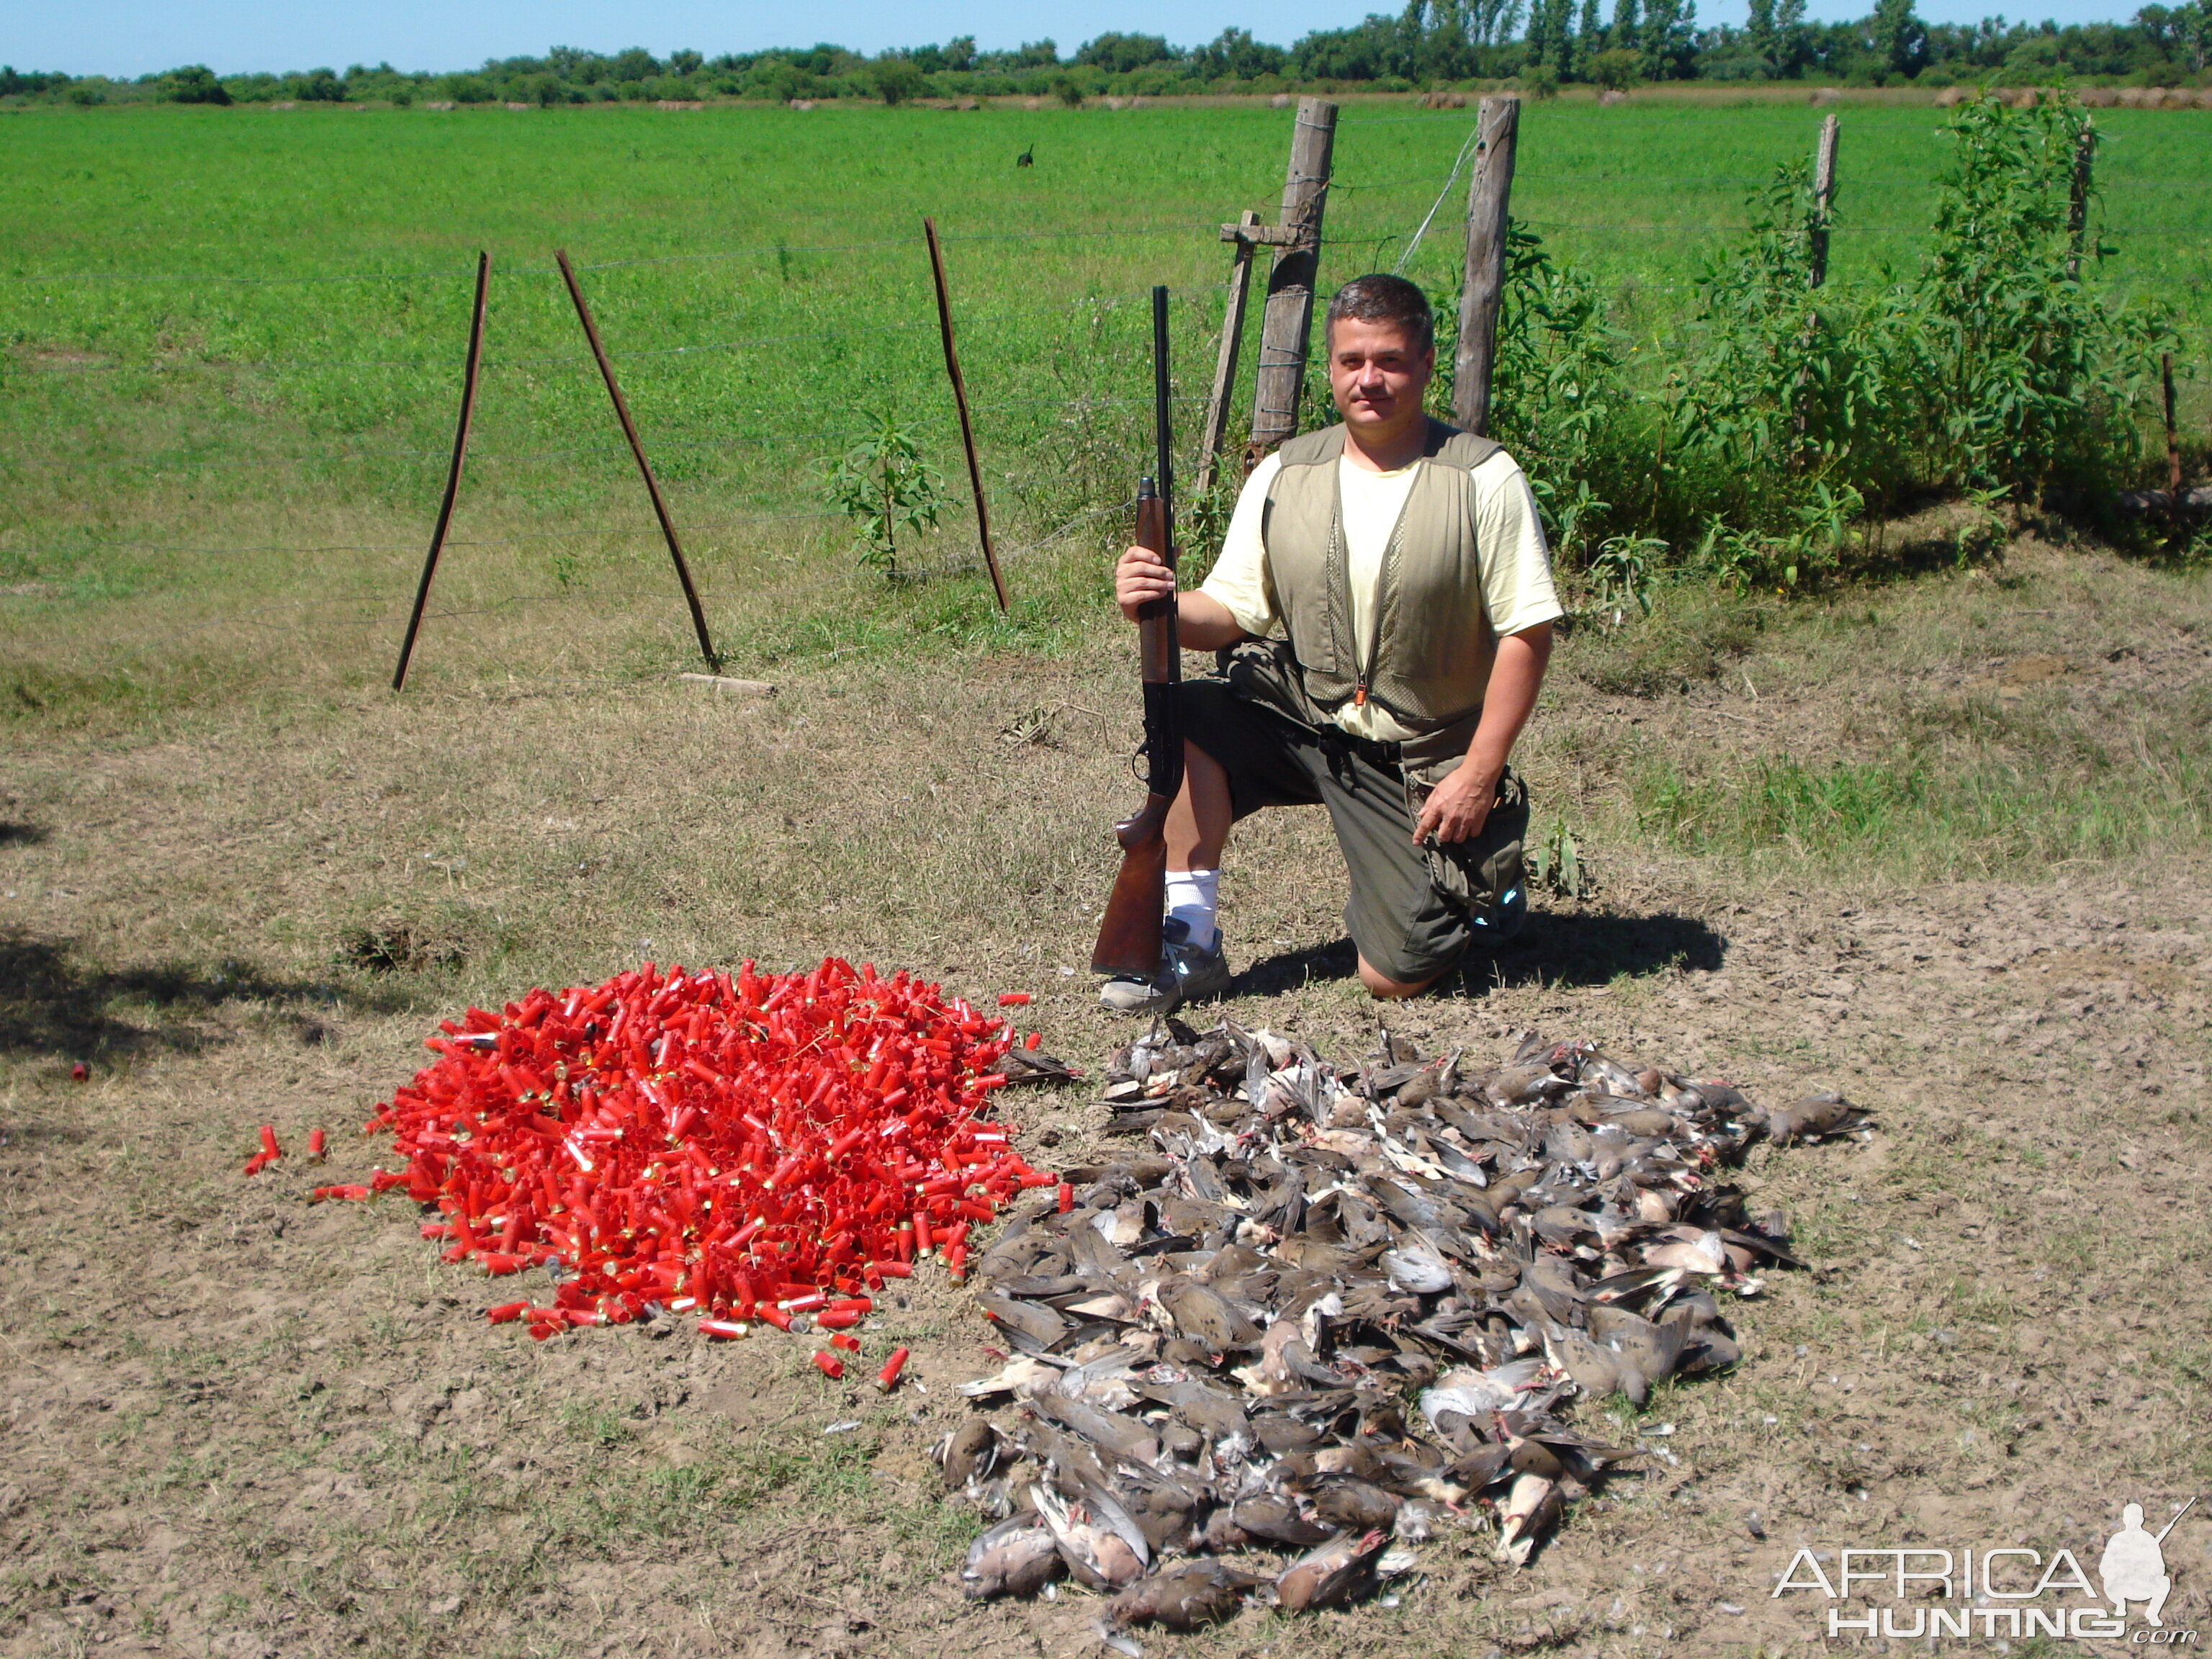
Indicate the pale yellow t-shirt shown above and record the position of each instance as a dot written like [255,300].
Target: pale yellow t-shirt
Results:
[1516,566]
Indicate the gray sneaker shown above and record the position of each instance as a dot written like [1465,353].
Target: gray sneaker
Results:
[1186,974]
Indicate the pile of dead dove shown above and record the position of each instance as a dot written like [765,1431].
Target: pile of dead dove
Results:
[1324,1314]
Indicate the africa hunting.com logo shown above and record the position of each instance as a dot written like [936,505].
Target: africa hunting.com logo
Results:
[2004,1592]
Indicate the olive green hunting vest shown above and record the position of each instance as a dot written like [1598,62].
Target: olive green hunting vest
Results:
[1430,648]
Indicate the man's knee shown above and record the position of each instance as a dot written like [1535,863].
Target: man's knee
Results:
[1380,984]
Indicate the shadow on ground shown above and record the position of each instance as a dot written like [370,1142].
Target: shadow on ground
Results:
[53,1003]
[1562,948]
[20,835]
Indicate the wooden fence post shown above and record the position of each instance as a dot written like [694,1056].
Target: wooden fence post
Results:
[1824,196]
[1489,194]
[2077,203]
[1287,324]
[1224,366]
[461,454]
[1816,269]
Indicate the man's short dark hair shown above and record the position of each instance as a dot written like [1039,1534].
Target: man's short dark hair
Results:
[1379,297]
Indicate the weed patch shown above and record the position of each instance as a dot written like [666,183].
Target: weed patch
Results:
[1916,815]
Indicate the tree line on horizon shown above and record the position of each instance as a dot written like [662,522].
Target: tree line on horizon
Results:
[1537,45]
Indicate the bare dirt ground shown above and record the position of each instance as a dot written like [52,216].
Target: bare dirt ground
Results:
[239,1424]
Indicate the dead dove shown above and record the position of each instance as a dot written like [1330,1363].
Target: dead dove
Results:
[1341,1570]
[1205,1317]
[1417,1265]
[1028,1324]
[1017,1556]
[970,1453]
[1532,1508]
[1596,1371]
[1346,1501]
[1656,1351]
[1123,1436]
[1476,1394]
[1700,1252]
[1306,1306]
[1185,1596]
[1275,1515]
[1102,1545]
[1814,1118]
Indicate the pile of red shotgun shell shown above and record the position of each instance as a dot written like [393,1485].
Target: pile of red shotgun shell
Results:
[742,1147]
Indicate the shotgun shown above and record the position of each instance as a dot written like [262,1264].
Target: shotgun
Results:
[1129,931]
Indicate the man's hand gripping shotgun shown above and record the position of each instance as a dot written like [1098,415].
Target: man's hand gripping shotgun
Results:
[1129,931]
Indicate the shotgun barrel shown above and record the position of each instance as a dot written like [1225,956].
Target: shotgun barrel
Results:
[1129,931]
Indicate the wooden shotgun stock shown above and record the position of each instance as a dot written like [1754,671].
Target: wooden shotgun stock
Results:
[1129,931]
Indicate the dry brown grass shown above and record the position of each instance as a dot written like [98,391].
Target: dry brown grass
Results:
[241,1424]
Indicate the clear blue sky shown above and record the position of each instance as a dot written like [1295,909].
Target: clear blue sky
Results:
[127,38]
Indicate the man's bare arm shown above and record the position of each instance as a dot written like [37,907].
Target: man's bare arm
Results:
[1141,577]
[1457,808]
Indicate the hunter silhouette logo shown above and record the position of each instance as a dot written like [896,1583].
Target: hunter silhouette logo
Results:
[2133,1566]
[1928,1593]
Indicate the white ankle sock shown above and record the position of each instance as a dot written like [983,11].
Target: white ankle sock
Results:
[1191,899]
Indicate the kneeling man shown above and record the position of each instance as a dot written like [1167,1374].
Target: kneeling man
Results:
[1383,603]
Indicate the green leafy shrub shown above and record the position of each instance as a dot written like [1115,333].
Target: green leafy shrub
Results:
[2029,378]
[1782,392]
[883,484]
[1559,400]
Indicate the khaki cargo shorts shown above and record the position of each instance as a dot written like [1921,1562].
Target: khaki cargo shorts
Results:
[1414,911]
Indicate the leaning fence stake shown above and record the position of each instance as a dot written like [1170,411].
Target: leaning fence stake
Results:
[452,473]
[960,401]
[1224,366]
[644,467]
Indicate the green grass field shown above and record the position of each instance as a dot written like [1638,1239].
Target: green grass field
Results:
[235,330]
[1936,839]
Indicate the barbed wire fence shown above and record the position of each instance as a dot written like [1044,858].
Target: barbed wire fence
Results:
[743,408]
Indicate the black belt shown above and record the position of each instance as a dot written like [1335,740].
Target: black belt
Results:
[1383,756]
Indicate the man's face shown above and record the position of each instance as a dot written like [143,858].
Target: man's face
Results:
[1377,373]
